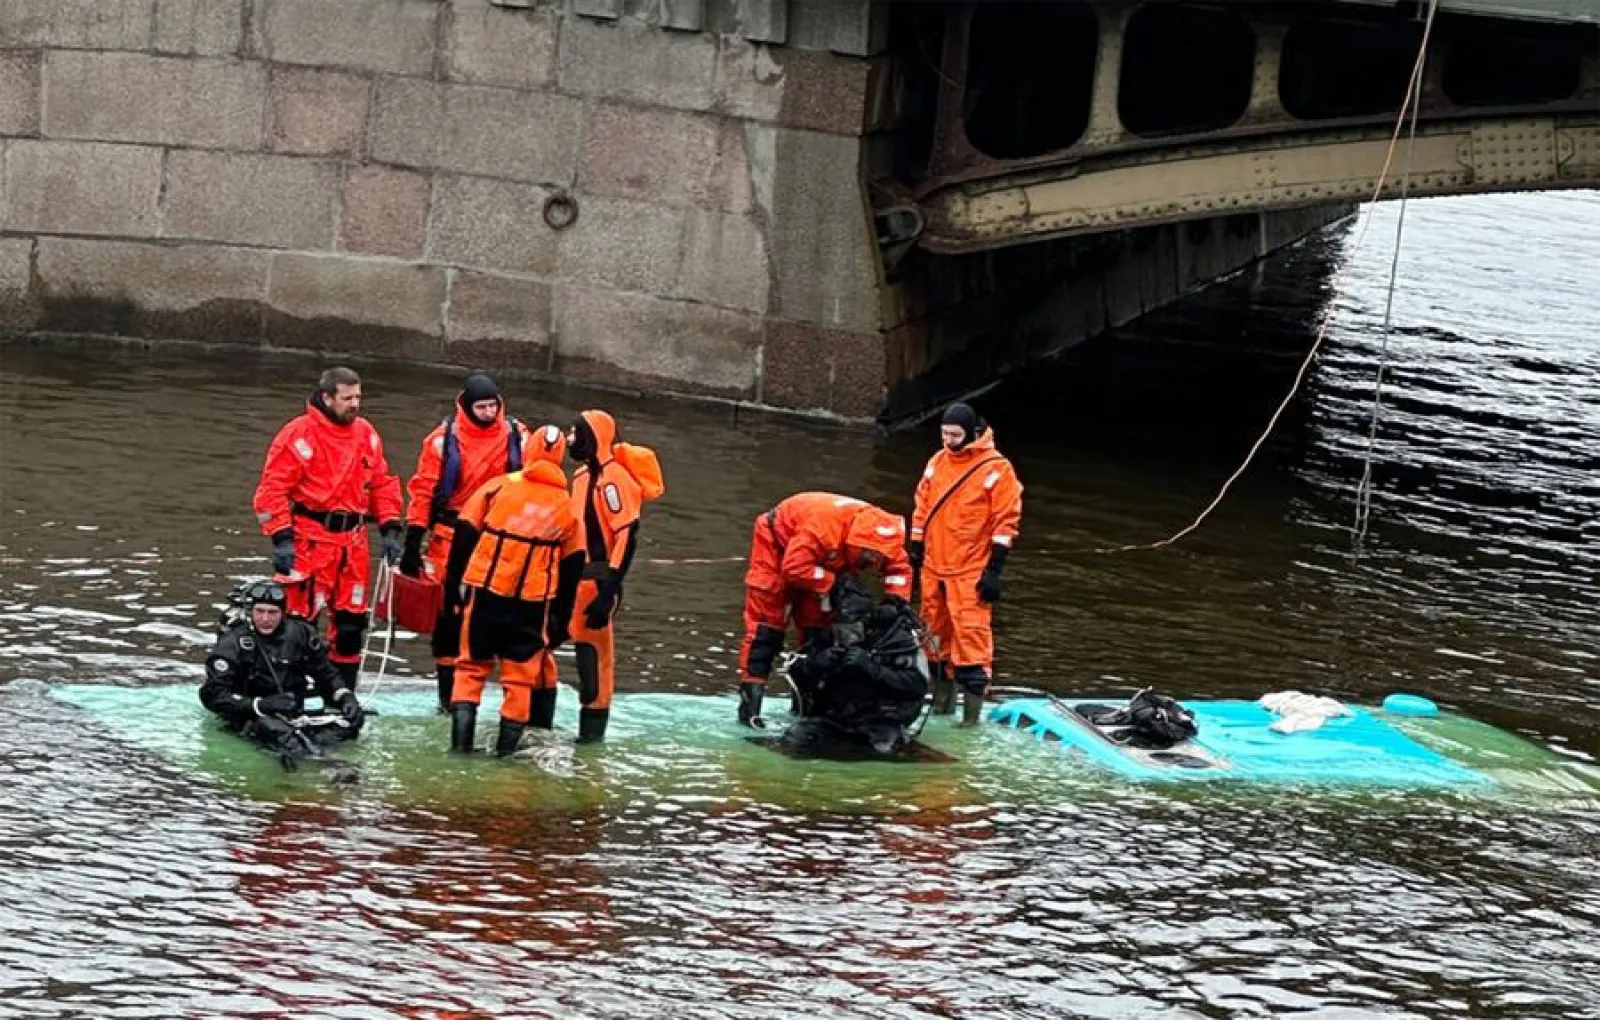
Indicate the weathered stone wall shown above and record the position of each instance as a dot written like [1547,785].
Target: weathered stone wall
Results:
[372,175]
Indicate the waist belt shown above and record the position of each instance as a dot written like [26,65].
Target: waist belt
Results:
[334,520]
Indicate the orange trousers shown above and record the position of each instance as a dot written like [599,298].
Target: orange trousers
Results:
[597,676]
[518,679]
[337,576]
[958,620]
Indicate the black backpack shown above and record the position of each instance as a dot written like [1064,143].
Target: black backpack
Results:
[1149,721]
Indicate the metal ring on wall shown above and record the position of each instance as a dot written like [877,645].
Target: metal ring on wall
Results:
[560,210]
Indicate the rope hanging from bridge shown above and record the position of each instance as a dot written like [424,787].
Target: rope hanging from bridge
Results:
[1410,104]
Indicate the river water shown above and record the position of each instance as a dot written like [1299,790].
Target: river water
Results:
[135,888]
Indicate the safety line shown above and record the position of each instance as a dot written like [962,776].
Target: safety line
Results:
[1413,88]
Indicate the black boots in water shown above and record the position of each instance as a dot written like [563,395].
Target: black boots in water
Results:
[543,716]
[592,724]
[447,683]
[463,726]
[944,691]
[971,708]
[349,672]
[510,737]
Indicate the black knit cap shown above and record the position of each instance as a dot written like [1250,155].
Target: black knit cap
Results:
[474,388]
[964,416]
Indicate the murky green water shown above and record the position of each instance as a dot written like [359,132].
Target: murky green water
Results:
[136,886]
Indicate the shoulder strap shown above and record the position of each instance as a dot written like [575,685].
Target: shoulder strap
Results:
[449,472]
[945,497]
[513,445]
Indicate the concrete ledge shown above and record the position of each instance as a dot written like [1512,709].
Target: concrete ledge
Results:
[18,308]
[198,292]
[498,320]
[333,302]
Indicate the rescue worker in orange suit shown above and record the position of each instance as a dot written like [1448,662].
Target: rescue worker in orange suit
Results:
[797,550]
[513,569]
[325,478]
[610,484]
[479,442]
[968,509]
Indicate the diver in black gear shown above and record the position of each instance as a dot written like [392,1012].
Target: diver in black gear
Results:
[261,669]
[859,684]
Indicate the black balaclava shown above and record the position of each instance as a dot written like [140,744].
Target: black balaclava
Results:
[971,425]
[477,387]
[584,446]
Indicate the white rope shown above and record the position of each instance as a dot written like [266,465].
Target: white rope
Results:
[1364,487]
[1413,88]
[384,596]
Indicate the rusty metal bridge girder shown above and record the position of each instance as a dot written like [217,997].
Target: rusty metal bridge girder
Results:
[1278,172]
[1112,179]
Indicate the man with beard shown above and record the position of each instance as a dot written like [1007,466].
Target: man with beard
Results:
[325,477]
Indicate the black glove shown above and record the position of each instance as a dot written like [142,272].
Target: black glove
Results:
[283,551]
[750,695]
[989,580]
[349,709]
[411,559]
[391,542]
[597,614]
[916,552]
[275,705]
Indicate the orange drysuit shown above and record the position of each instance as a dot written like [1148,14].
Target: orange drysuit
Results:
[457,458]
[609,488]
[323,481]
[968,502]
[516,555]
[797,549]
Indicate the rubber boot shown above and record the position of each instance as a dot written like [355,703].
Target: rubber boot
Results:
[944,689]
[447,683]
[463,726]
[971,707]
[510,737]
[750,695]
[543,716]
[592,724]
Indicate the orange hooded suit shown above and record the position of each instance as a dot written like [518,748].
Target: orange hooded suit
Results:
[514,564]
[797,550]
[456,459]
[968,510]
[610,485]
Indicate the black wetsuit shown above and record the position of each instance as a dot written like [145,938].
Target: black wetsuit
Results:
[860,688]
[258,682]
